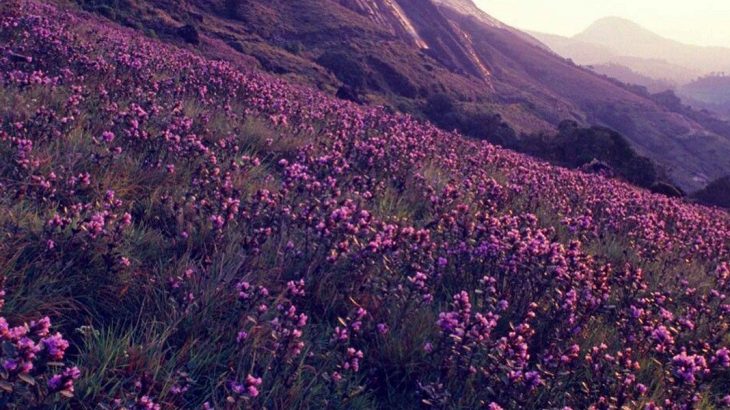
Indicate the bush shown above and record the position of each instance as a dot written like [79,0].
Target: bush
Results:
[347,93]
[438,105]
[640,171]
[106,11]
[111,9]
[717,193]
[397,82]
[667,189]
[574,147]
[294,47]
[189,33]
[668,100]
[344,67]
[442,111]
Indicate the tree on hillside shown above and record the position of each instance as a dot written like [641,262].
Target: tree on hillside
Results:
[344,67]
[477,123]
[716,193]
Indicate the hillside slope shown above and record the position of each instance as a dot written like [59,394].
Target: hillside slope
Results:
[401,52]
[179,232]
[674,140]
[711,92]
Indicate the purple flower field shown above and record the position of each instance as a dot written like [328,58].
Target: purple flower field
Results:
[181,233]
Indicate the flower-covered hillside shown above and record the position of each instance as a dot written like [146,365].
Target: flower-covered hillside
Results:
[203,237]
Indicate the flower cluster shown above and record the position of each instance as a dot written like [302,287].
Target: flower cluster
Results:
[246,390]
[32,358]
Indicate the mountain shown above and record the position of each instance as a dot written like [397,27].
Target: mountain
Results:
[592,48]
[619,41]
[624,50]
[578,51]
[627,38]
[712,91]
[401,53]
[630,76]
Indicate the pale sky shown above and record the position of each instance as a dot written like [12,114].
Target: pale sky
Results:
[701,22]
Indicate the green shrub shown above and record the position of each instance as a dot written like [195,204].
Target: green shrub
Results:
[574,146]
[717,193]
[344,67]
[477,123]
[294,47]
[397,82]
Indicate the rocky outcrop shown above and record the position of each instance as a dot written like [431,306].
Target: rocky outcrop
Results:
[424,26]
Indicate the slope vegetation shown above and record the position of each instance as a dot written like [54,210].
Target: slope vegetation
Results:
[399,53]
[203,236]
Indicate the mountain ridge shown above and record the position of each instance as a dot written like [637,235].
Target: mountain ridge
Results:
[615,38]
[479,62]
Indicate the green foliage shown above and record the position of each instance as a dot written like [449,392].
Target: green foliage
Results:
[397,82]
[717,193]
[111,9]
[294,47]
[574,146]
[443,111]
[345,67]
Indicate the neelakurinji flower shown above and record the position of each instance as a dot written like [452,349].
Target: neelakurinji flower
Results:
[334,204]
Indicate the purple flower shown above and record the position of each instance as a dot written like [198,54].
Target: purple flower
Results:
[252,385]
[295,288]
[10,364]
[107,136]
[688,367]
[64,381]
[249,388]
[56,346]
[41,328]
[532,379]
[722,357]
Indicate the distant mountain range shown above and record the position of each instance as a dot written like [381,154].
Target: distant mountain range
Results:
[403,53]
[620,41]
[624,50]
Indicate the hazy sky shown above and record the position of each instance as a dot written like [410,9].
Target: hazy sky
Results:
[702,22]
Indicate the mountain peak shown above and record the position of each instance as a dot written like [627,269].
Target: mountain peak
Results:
[614,25]
[615,20]
[620,32]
